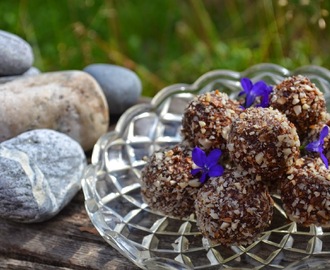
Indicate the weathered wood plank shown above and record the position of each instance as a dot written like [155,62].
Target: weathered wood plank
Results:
[68,241]
[9,264]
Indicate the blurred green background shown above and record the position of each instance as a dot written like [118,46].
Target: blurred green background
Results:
[171,41]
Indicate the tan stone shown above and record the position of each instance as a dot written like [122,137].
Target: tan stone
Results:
[71,102]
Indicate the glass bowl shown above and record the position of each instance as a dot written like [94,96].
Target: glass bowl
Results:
[153,241]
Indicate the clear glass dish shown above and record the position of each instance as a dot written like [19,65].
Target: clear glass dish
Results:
[152,241]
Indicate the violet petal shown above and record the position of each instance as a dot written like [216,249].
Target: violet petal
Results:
[213,157]
[199,157]
[216,170]
[195,171]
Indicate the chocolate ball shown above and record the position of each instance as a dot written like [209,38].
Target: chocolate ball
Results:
[306,193]
[207,119]
[301,101]
[263,141]
[167,185]
[233,209]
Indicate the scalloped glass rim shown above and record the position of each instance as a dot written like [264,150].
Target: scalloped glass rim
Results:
[152,241]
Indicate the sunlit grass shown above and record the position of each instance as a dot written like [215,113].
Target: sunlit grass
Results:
[171,41]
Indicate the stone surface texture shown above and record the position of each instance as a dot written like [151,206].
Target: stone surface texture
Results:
[15,53]
[40,172]
[71,102]
[30,72]
[122,87]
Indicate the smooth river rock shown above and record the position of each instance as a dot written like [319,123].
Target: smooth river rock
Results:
[71,102]
[122,87]
[40,172]
[30,72]
[15,53]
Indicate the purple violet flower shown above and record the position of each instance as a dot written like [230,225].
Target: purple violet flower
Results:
[252,91]
[207,165]
[317,146]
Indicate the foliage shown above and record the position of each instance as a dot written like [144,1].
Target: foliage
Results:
[170,41]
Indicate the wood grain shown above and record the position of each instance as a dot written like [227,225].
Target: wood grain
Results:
[67,241]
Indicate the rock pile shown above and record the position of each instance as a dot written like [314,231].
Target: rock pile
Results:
[48,120]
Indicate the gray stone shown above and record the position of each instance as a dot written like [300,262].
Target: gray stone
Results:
[30,72]
[122,87]
[15,53]
[71,102]
[40,173]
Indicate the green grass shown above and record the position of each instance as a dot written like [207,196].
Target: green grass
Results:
[171,41]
